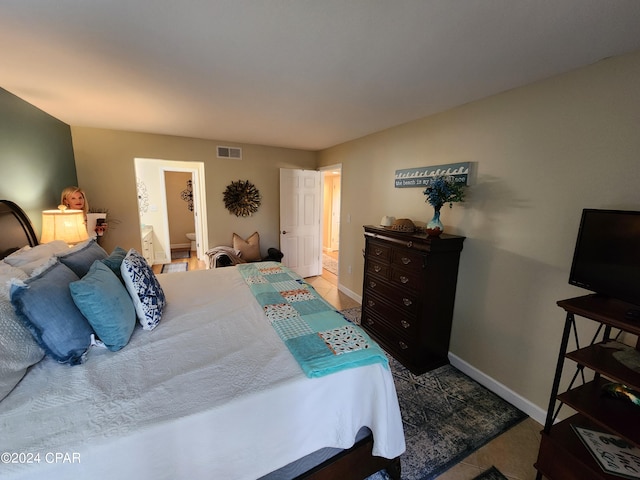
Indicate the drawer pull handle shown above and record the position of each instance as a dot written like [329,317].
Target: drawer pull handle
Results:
[407,302]
[405,324]
[404,279]
[377,251]
[405,260]
[370,322]
[403,345]
[377,268]
[372,284]
[371,303]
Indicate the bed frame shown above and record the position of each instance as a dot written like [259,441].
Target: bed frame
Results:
[357,462]
[17,230]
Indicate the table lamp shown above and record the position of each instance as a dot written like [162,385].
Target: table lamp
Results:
[63,224]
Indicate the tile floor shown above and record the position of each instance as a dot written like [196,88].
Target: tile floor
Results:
[513,453]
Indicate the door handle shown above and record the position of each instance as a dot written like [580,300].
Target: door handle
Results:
[284,232]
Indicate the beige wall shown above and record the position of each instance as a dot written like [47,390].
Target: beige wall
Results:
[543,152]
[105,168]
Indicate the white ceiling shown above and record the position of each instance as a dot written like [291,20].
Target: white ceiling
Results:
[295,73]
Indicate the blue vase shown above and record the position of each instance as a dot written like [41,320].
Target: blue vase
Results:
[435,227]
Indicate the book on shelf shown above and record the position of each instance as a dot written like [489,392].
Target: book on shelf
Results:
[615,455]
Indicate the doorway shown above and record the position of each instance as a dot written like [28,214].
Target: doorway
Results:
[152,205]
[180,213]
[331,196]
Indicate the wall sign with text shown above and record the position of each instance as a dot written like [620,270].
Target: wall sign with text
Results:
[421,177]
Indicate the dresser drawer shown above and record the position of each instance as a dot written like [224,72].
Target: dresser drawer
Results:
[380,251]
[404,320]
[382,295]
[377,268]
[407,259]
[384,334]
[405,279]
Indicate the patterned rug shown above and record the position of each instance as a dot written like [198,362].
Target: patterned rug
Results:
[175,267]
[446,416]
[492,474]
[329,264]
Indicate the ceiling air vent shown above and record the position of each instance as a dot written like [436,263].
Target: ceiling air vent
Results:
[229,152]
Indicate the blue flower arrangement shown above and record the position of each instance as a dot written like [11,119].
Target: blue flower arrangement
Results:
[444,189]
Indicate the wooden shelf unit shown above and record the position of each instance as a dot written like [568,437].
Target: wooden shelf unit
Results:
[562,455]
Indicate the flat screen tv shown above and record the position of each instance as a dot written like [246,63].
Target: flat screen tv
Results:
[606,259]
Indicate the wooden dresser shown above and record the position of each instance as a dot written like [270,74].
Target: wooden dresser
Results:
[408,294]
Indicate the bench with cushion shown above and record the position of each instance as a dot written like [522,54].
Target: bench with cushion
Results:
[242,251]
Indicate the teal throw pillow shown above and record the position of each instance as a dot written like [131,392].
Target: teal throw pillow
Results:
[104,301]
[114,261]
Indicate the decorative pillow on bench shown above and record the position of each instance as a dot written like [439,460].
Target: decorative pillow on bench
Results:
[249,248]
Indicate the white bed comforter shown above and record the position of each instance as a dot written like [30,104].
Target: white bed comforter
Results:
[211,393]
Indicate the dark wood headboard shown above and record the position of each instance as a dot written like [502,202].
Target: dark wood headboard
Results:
[16,229]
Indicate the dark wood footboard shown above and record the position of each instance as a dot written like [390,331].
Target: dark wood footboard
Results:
[355,463]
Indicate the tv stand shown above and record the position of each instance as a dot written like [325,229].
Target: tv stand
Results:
[562,455]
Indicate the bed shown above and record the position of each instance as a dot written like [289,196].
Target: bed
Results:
[211,392]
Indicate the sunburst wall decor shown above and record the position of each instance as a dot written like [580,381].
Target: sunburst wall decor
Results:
[242,198]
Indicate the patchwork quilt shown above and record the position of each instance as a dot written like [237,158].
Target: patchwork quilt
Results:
[318,336]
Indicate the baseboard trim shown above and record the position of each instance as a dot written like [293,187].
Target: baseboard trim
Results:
[535,412]
[349,293]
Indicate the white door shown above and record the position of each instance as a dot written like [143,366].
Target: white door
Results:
[300,197]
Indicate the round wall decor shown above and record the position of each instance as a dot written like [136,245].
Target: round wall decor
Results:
[242,198]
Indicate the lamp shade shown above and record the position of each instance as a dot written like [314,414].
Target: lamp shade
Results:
[65,225]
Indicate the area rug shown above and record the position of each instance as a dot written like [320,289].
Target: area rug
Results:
[329,264]
[177,254]
[175,267]
[352,314]
[446,417]
[491,474]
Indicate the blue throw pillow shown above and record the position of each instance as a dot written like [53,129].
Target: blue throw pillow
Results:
[45,306]
[103,300]
[80,258]
[144,289]
[114,261]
